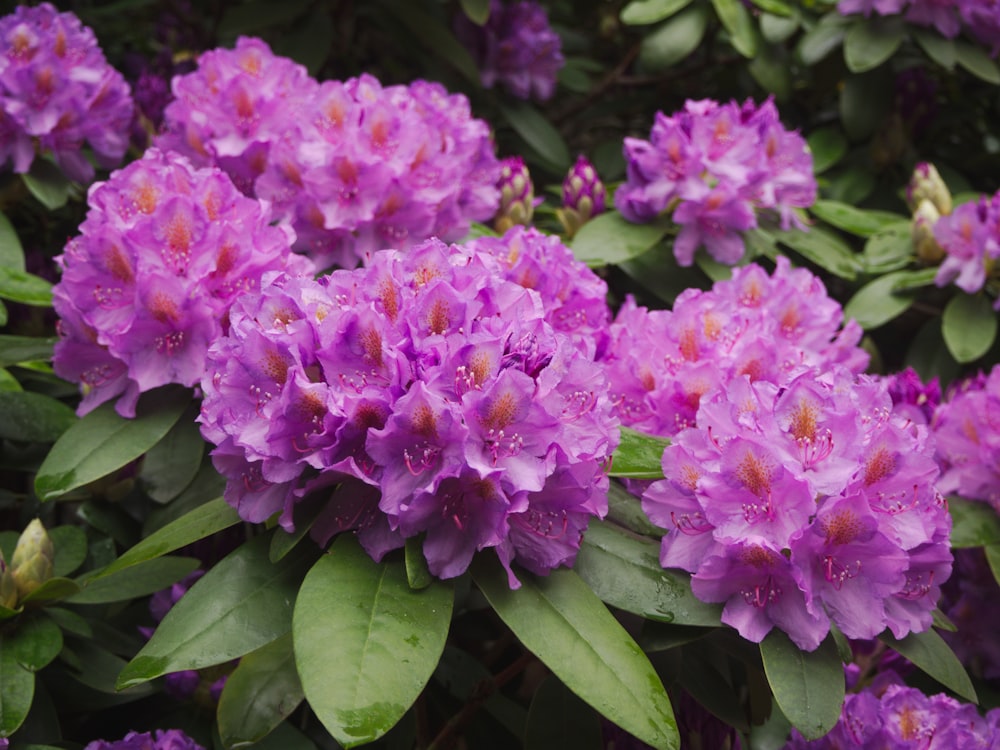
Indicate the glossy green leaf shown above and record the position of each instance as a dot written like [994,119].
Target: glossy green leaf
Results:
[418,575]
[537,132]
[938,48]
[142,579]
[675,39]
[17,689]
[609,239]
[625,572]
[930,653]
[561,621]
[644,12]
[824,249]
[17,349]
[876,303]
[822,39]
[736,20]
[872,41]
[861,222]
[241,604]
[808,685]
[11,252]
[969,326]
[260,693]
[70,545]
[103,441]
[828,147]
[33,417]
[171,464]
[974,59]
[364,661]
[973,523]
[26,288]
[34,642]
[48,184]
[889,249]
[638,455]
[625,509]
[477,11]
[559,720]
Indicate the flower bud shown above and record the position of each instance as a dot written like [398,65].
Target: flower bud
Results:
[32,560]
[517,195]
[583,196]
[8,587]
[925,245]
[926,184]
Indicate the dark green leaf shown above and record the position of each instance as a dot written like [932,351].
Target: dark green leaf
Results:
[824,249]
[736,20]
[849,184]
[940,621]
[992,552]
[872,41]
[260,693]
[33,417]
[48,184]
[418,575]
[537,132]
[625,510]
[99,668]
[477,11]
[609,239]
[17,689]
[244,18]
[561,621]
[808,685]
[17,349]
[969,326]
[241,604]
[558,720]
[363,662]
[26,288]
[103,441]
[770,69]
[876,303]
[70,621]
[674,40]
[11,252]
[656,270]
[973,523]
[975,60]
[828,146]
[435,37]
[310,41]
[862,222]
[142,579]
[625,572]
[704,673]
[659,636]
[822,39]
[642,12]
[52,590]
[463,676]
[171,464]
[778,28]
[35,642]
[638,455]
[70,545]
[929,652]
[207,486]
[938,48]
[889,249]
[864,101]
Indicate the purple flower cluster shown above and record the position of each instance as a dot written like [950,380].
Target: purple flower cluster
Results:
[355,167]
[714,167]
[979,18]
[970,239]
[516,48]
[430,393]
[57,91]
[161,739]
[660,362]
[897,717]
[147,284]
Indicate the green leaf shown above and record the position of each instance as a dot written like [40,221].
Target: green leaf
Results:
[643,12]
[11,252]
[48,184]
[735,18]
[171,464]
[908,281]
[26,288]
[973,523]
[877,302]
[822,39]
[705,674]
[477,11]
[992,552]
[674,40]
[561,621]
[930,653]
[775,7]
[770,69]
[250,17]
[638,455]
[70,545]
[861,222]
[70,622]
[17,349]
[969,326]
[418,575]
[938,48]
[35,642]
[17,689]
[976,61]
[139,580]
[435,36]
[823,248]
[558,720]
[828,147]
[52,590]
[260,693]
[889,249]
[8,382]
[103,441]
[33,417]
[537,132]
[241,604]
[778,28]
[864,101]
[625,510]
[608,239]
[872,41]
[625,572]
[808,685]
[363,662]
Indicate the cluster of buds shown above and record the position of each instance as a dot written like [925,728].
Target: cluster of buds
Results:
[583,196]
[30,566]
[517,195]
[929,199]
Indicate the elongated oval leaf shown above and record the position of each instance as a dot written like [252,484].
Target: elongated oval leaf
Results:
[931,654]
[821,40]
[969,326]
[103,441]
[35,642]
[171,464]
[737,21]
[24,287]
[625,572]
[608,239]
[48,184]
[638,455]
[561,621]
[808,685]
[823,248]
[889,249]
[241,604]
[538,133]
[870,42]
[33,417]
[11,252]
[139,580]
[477,11]
[365,660]
[260,693]
[973,523]
[938,48]
[643,12]
[675,39]
[17,349]
[876,303]
[17,690]
[70,544]
[828,146]
[976,61]
[863,223]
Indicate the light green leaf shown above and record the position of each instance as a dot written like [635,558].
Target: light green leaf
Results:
[938,48]
[17,689]
[608,239]
[889,249]
[908,281]
[260,693]
[828,147]
[8,382]
[142,579]
[103,441]
[973,523]
[17,349]
[823,248]
[861,222]
[537,132]
[877,302]
[241,604]
[822,39]
[736,19]
[26,288]
[969,326]
[364,661]
[975,60]
[872,41]
[674,40]
[11,252]
[561,621]
[625,572]
[48,184]
[558,720]
[929,652]
[808,685]
[643,12]
[477,11]
[638,455]
[778,28]
[34,642]
[775,7]
[33,417]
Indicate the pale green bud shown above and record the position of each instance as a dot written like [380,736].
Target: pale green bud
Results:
[926,184]
[925,245]
[32,560]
